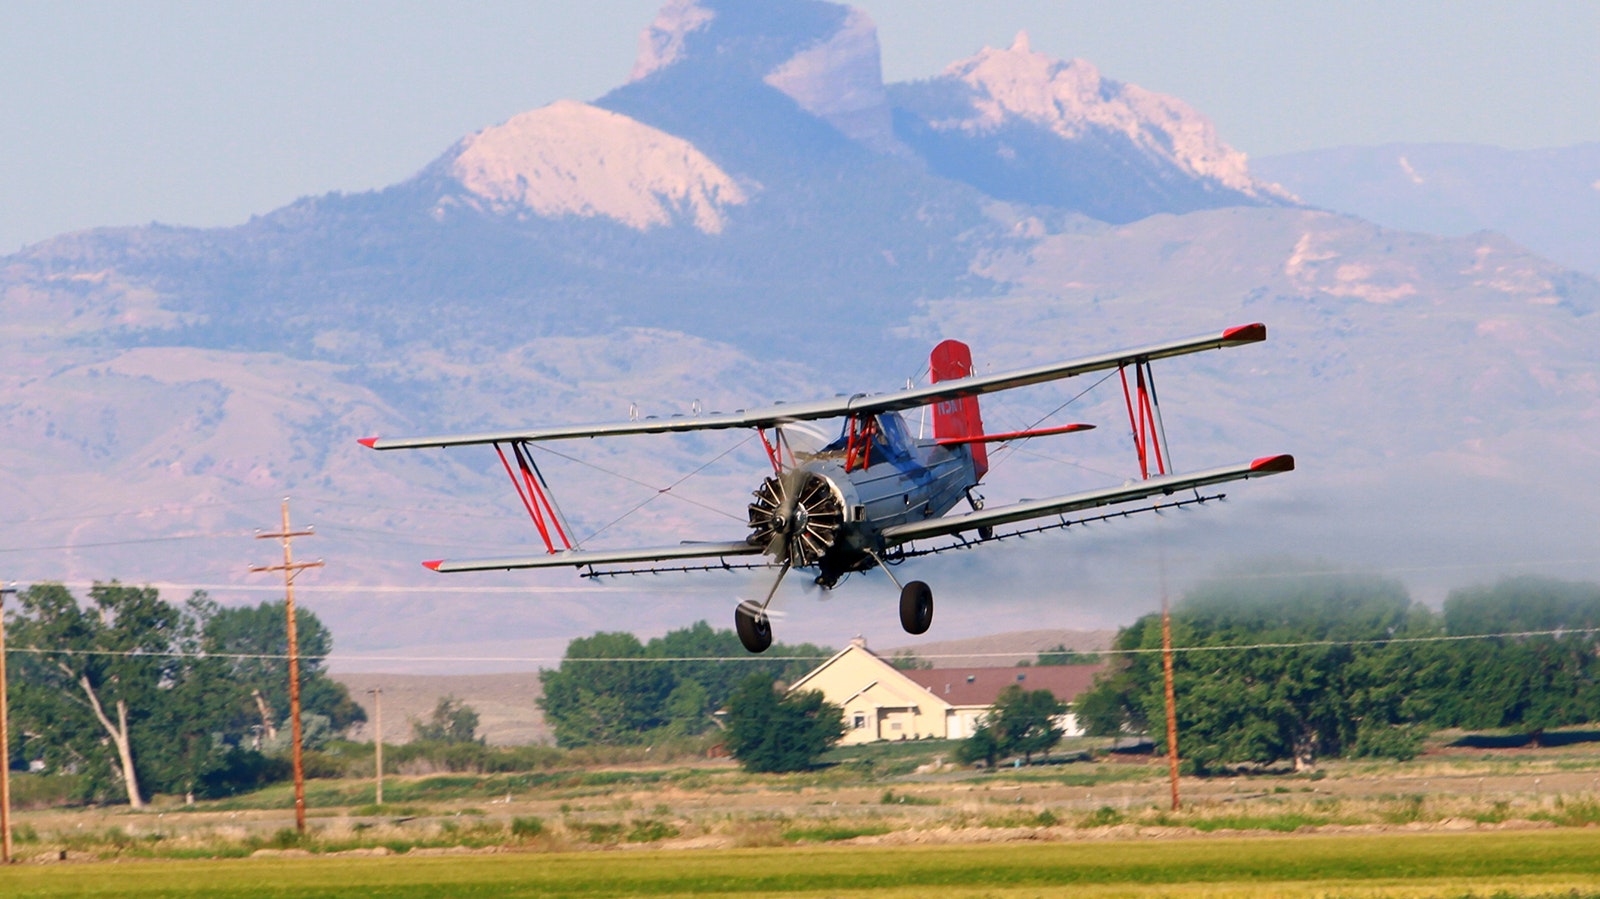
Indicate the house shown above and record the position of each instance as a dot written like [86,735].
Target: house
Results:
[882,702]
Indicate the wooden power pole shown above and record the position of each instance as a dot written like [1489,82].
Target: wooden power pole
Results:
[1172,703]
[290,568]
[377,725]
[5,741]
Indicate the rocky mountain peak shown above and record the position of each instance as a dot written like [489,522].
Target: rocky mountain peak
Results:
[571,158]
[661,42]
[824,56]
[1072,99]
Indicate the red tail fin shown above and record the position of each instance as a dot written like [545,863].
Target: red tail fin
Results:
[950,360]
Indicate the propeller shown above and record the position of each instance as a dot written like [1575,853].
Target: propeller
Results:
[795,516]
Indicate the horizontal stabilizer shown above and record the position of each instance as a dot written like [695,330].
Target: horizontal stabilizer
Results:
[1013,435]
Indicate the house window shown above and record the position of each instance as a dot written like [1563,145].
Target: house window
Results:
[894,726]
[860,721]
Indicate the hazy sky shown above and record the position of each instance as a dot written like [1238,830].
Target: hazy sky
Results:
[202,113]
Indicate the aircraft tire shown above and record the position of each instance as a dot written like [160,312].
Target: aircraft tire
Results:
[916,607]
[754,628]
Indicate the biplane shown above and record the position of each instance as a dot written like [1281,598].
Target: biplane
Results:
[879,493]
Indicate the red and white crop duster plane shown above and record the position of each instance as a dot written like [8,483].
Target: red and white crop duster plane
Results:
[878,494]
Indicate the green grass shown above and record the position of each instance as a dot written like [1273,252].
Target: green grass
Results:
[1545,863]
[440,788]
[831,833]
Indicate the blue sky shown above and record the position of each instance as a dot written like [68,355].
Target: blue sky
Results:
[200,113]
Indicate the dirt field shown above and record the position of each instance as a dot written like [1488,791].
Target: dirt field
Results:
[507,704]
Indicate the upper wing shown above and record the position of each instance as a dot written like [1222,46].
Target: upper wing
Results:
[1108,496]
[576,558]
[861,404]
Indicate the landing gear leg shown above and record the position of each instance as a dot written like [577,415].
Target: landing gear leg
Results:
[916,602]
[751,621]
[916,607]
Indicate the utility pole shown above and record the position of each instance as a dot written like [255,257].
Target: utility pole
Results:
[1166,673]
[377,726]
[290,568]
[5,741]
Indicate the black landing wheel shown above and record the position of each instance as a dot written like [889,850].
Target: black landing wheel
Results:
[754,627]
[916,607]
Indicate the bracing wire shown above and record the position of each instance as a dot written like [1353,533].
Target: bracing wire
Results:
[659,491]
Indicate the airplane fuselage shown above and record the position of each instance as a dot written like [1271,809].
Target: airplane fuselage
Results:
[905,479]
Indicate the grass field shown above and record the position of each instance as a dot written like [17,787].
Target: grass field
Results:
[1545,863]
[888,820]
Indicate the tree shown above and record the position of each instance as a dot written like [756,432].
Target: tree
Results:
[1275,703]
[612,689]
[95,677]
[908,660]
[1021,721]
[1527,683]
[1061,655]
[139,695]
[452,721]
[770,732]
[605,691]
[256,641]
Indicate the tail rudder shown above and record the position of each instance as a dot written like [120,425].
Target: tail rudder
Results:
[950,361]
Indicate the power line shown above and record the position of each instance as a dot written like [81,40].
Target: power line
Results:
[576,589]
[103,543]
[656,660]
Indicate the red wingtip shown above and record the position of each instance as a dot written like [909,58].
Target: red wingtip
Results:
[1270,464]
[368,442]
[1246,333]
[434,565]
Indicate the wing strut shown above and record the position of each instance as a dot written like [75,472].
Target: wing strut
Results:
[535,495]
[1144,418]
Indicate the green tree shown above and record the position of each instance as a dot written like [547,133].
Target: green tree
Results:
[95,678]
[908,660]
[606,691]
[255,643]
[1061,655]
[1021,722]
[1273,703]
[982,746]
[452,721]
[612,689]
[140,695]
[771,732]
[1528,682]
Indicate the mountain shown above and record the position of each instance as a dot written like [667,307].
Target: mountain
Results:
[1024,127]
[754,216]
[1547,200]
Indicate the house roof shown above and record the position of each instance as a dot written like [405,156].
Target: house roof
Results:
[981,686]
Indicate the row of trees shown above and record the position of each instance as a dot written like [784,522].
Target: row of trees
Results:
[137,695]
[1350,665]
[613,689]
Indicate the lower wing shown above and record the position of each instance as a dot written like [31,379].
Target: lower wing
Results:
[582,558]
[1108,496]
